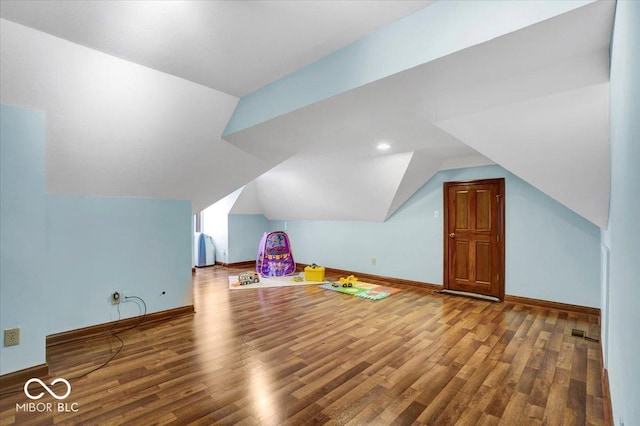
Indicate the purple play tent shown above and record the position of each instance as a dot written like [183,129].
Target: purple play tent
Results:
[274,255]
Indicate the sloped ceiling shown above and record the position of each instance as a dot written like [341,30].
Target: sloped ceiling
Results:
[529,100]
[534,101]
[116,126]
[235,47]
[557,143]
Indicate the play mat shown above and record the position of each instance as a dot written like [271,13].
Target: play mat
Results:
[265,282]
[364,290]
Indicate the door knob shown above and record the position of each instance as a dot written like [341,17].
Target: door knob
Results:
[452,235]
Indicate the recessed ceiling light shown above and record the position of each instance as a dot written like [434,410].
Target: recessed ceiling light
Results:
[383,146]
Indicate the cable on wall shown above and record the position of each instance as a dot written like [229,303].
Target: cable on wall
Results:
[117,336]
[114,334]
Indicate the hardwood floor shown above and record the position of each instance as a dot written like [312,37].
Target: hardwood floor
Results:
[303,355]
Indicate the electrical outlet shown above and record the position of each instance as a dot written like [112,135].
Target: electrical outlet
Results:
[115,297]
[373,261]
[12,337]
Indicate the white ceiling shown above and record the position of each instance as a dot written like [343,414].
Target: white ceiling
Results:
[467,108]
[535,102]
[232,46]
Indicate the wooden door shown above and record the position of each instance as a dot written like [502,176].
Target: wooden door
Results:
[474,237]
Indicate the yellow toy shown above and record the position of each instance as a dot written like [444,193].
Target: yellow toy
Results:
[314,273]
[349,281]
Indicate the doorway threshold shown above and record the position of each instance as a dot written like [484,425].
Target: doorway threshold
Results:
[467,294]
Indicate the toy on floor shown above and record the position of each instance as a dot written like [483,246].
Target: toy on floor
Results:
[249,277]
[314,272]
[349,281]
[274,255]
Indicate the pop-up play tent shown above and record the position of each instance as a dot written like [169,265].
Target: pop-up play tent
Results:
[274,255]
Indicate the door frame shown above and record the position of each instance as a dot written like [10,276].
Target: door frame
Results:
[501,229]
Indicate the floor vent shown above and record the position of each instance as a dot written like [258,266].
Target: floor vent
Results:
[577,333]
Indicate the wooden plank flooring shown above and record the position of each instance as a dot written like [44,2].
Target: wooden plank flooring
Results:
[302,355]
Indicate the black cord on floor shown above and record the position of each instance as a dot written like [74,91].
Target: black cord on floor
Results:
[114,334]
[117,336]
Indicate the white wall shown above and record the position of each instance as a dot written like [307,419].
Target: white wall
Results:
[623,233]
[215,222]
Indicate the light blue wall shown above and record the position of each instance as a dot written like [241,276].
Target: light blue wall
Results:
[61,256]
[96,245]
[22,236]
[551,252]
[623,232]
[404,44]
[245,232]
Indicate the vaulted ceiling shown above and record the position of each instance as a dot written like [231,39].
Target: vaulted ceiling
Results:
[531,96]
[235,47]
